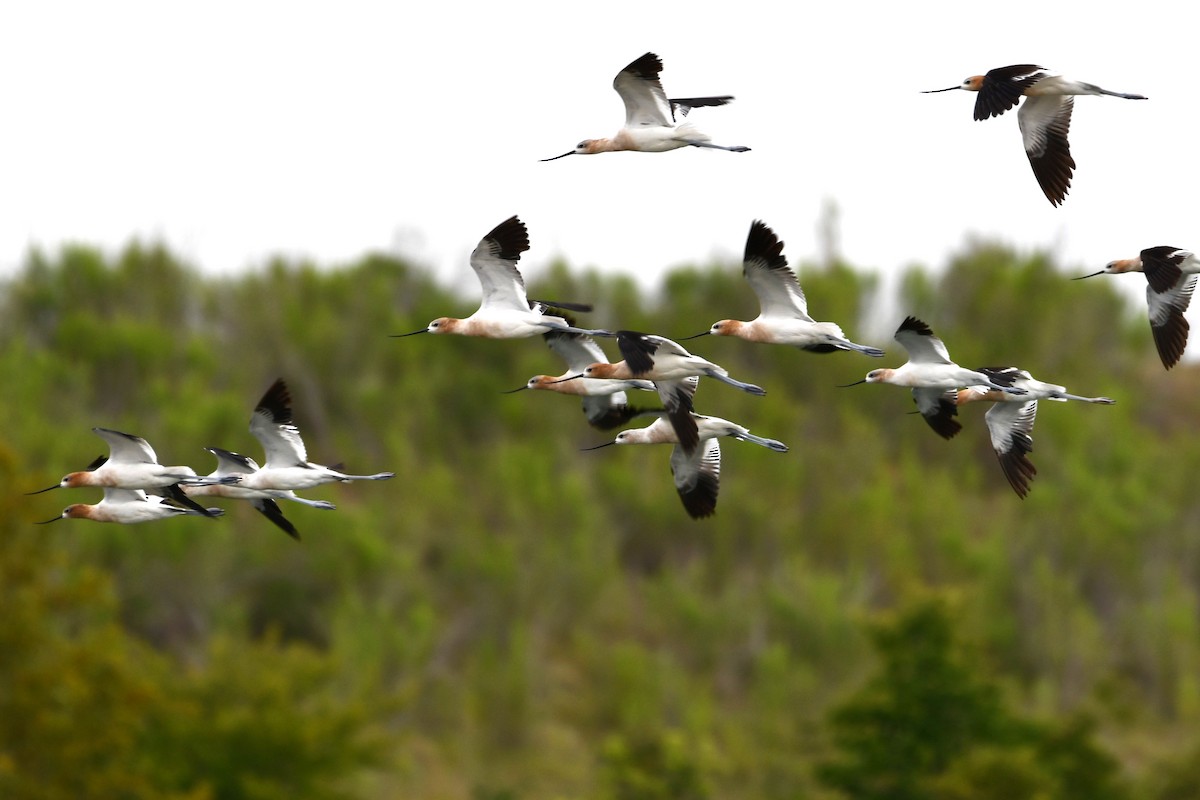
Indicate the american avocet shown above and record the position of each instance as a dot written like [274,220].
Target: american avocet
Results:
[1044,119]
[1010,420]
[674,372]
[505,313]
[651,123]
[287,466]
[697,471]
[129,506]
[133,464]
[263,500]
[1171,278]
[604,400]
[783,310]
[930,373]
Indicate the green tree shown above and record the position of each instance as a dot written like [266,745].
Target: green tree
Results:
[925,709]
[930,727]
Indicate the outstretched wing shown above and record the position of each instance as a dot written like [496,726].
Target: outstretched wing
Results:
[495,263]
[698,478]
[125,448]
[1167,322]
[1010,426]
[939,408]
[646,103]
[922,345]
[1163,266]
[766,270]
[271,424]
[1045,121]
[1002,88]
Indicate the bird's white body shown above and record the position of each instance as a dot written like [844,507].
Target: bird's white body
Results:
[657,137]
[653,123]
[662,432]
[131,464]
[1021,379]
[805,334]
[229,463]
[937,377]
[659,359]
[128,507]
[567,383]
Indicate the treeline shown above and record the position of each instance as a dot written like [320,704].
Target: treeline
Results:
[872,615]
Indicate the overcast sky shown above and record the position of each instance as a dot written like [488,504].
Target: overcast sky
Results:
[235,131]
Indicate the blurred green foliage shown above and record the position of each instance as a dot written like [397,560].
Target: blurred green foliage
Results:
[929,726]
[512,618]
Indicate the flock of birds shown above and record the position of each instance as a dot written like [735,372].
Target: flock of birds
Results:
[139,489]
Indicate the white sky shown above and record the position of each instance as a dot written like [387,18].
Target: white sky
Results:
[234,131]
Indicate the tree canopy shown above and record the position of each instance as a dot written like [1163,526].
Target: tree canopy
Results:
[872,612]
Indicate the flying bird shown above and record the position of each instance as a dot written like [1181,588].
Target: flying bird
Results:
[263,500]
[604,400]
[675,373]
[505,313]
[930,373]
[783,310]
[697,472]
[132,464]
[653,123]
[1170,281]
[129,506]
[1044,119]
[287,466]
[1010,420]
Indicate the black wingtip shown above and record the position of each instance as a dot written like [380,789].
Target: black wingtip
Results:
[97,464]
[700,501]
[685,428]
[1161,266]
[762,243]
[915,325]
[277,403]
[559,305]
[637,350]
[647,67]
[1170,338]
[176,493]
[511,238]
[943,420]
[270,509]
[1017,467]
[618,416]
